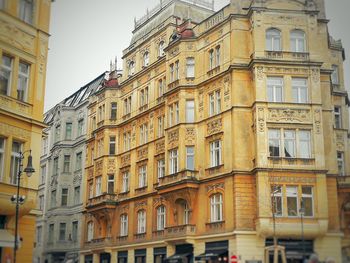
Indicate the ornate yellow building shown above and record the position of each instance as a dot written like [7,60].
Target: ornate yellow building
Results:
[24,26]
[226,129]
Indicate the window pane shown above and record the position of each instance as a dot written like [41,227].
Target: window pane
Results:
[289,143]
[189,111]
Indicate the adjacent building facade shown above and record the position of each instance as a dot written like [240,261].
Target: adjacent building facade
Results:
[61,186]
[24,27]
[226,129]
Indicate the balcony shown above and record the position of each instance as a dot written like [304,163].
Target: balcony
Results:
[102,201]
[215,227]
[179,231]
[183,176]
[282,55]
[99,242]
[158,234]
[174,84]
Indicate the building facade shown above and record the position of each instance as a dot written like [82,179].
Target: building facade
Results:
[24,27]
[61,186]
[227,129]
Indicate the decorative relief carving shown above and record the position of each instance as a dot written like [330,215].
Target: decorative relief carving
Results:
[141,204]
[174,52]
[158,201]
[173,136]
[214,126]
[340,141]
[200,102]
[315,73]
[125,160]
[173,97]
[190,46]
[290,115]
[160,146]
[317,117]
[77,178]
[101,97]
[284,70]
[6,129]
[213,187]
[111,166]
[260,73]
[289,179]
[190,136]
[99,167]
[90,173]
[142,153]
[227,86]
[261,119]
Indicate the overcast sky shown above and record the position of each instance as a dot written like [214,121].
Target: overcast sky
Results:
[87,34]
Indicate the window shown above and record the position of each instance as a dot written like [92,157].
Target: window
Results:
[64,197]
[189,111]
[112,145]
[101,112]
[92,155]
[68,131]
[91,190]
[113,111]
[274,89]
[171,72]
[142,176]
[214,103]
[143,133]
[297,41]
[55,166]
[304,144]
[161,48]
[124,225]
[289,143]
[211,59]
[5,75]
[45,146]
[131,68]
[76,195]
[276,200]
[75,231]
[66,163]
[273,40]
[127,105]
[90,231]
[15,160]
[42,174]
[177,114]
[141,222]
[173,161]
[26,8]
[161,217]
[145,59]
[189,157]
[215,153]
[125,183]
[161,84]
[300,90]
[51,231]
[93,123]
[337,117]
[41,202]
[100,147]
[176,74]
[78,161]
[110,184]
[80,127]
[62,233]
[307,200]
[217,56]
[161,168]
[160,130]
[190,67]
[2,157]
[174,114]
[39,232]
[98,185]
[341,163]
[144,97]
[23,81]
[53,198]
[292,200]
[216,212]
[58,133]
[127,141]
[335,75]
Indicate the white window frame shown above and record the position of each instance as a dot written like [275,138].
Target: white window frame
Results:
[217,56]
[190,111]
[124,225]
[64,196]
[277,193]
[291,195]
[127,140]
[215,153]
[211,59]
[26,11]
[289,143]
[338,124]
[114,109]
[15,160]
[98,189]
[304,141]
[131,68]
[275,84]
[141,221]
[216,207]
[273,39]
[341,163]
[190,67]
[110,183]
[160,130]
[77,194]
[62,231]
[144,133]
[300,90]
[66,163]
[90,231]
[80,129]
[125,181]
[161,217]
[146,59]
[78,161]
[69,130]
[22,91]
[176,70]
[173,161]
[177,113]
[142,176]
[2,157]
[9,70]
[190,154]
[214,103]
[308,196]
[161,48]
[112,145]
[160,168]
[161,84]
[335,75]
[297,42]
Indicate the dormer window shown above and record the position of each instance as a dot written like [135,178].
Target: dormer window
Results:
[145,59]
[131,68]
[161,49]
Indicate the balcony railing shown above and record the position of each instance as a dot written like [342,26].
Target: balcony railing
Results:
[179,231]
[177,177]
[105,198]
[99,242]
[343,180]
[287,55]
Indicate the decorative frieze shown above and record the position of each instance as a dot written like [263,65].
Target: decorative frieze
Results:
[261,119]
[99,167]
[173,136]
[141,204]
[125,159]
[214,126]
[190,135]
[289,115]
[17,132]
[111,166]
[213,187]
[292,179]
[142,153]
[317,120]
[160,147]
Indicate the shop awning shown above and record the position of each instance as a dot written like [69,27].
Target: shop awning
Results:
[6,238]
[211,254]
[176,258]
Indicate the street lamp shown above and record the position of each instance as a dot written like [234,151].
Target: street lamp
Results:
[29,170]
[302,212]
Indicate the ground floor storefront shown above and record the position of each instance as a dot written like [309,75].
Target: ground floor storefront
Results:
[247,247]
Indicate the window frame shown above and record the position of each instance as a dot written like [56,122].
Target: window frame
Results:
[295,41]
[161,217]
[216,208]
[300,88]
[190,67]
[338,123]
[174,161]
[271,84]
[124,225]
[190,111]
[190,155]
[26,77]
[272,37]
[141,221]
[9,70]
[142,176]
[215,153]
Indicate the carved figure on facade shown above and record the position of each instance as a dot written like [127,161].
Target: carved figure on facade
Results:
[190,136]
[290,115]
[214,126]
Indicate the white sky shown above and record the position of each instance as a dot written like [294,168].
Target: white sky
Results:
[87,34]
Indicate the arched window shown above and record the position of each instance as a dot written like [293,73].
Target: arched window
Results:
[216,212]
[161,217]
[161,48]
[141,221]
[90,231]
[123,225]
[273,40]
[131,68]
[297,41]
[145,59]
